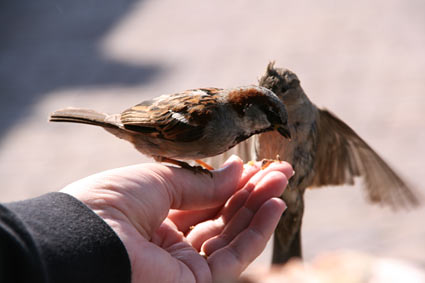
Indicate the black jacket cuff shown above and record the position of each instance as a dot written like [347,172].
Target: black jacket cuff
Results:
[56,238]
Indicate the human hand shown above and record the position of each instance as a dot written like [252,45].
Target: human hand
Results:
[165,216]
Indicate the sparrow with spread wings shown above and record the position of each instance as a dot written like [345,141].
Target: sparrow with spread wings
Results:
[323,151]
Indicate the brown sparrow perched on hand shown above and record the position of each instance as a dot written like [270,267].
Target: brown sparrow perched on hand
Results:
[191,125]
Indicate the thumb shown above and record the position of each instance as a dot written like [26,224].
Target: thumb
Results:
[199,191]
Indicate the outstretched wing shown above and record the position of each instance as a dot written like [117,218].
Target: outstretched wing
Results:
[343,155]
[180,117]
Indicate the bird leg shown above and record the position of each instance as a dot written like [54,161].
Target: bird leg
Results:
[204,164]
[287,236]
[182,164]
[281,253]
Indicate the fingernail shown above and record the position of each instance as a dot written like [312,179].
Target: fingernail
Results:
[293,173]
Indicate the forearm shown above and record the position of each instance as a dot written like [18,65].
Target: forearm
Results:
[56,238]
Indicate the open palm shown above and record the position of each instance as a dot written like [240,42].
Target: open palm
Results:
[166,216]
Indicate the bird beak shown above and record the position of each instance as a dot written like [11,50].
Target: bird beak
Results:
[283,131]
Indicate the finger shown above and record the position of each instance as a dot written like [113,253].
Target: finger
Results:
[232,259]
[200,191]
[184,219]
[242,195]
[271,186]
[249,170]
[281,166]
[210,229]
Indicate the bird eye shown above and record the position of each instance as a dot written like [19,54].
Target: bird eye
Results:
[289,84]
[284,88]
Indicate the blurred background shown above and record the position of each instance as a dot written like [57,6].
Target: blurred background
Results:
[363,60]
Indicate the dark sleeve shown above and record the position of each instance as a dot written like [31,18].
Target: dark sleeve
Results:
[56,238]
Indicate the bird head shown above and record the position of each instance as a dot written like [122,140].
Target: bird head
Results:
[260,109]
[284,83]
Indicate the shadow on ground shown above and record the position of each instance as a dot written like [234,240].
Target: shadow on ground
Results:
[47,45]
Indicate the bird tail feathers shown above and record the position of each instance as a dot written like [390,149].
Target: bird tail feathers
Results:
[83,116]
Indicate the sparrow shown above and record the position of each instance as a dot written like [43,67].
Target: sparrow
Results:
[192,124]
[323,151]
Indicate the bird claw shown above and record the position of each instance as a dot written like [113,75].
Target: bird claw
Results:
[204,164]
[182,164]
[198,169]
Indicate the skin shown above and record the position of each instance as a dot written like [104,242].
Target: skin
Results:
[166,215]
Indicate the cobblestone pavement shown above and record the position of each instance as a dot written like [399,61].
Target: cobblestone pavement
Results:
[364,60]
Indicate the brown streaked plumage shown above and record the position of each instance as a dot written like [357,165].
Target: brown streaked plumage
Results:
[192,124]
[323,150]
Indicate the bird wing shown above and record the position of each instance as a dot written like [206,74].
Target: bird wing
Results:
[180,117]
[342,155]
